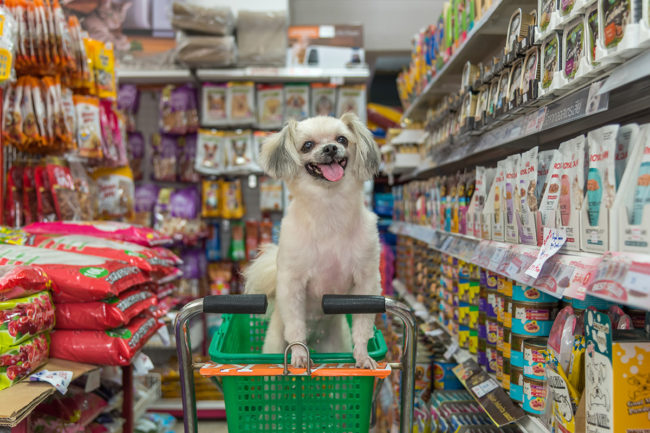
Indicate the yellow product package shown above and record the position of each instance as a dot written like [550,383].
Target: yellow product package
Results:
[211,202]
[104,64]
[232,204]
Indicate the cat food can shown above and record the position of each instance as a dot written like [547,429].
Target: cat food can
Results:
[491,308]
[506,343]
[443,376]
[534,396]
[507,312]
[533,319]
[492,331]
[505,380]
[481,356]
[500,337]
[517,349]
[499,370]
[491,356]
[504,286]
[517,383]
[535,358]
[530,294]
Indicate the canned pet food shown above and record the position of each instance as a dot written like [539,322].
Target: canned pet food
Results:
[505,381]
[504,286]
[517,349]
[492,331]
[530,294]
[481,355]
[533,319]
[534,395]
[507,313]
[535,358]
[491,356]
[443,376]
[506,343]
[500,337]
[491,280]
[517,383]
[491,308]
[499,370]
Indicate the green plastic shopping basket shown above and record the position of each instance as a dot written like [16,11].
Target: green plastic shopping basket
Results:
[289,403]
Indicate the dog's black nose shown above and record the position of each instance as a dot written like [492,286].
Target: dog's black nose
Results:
[329,149]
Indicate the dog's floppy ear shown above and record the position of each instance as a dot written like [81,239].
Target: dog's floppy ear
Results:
[278,155]
[368,157]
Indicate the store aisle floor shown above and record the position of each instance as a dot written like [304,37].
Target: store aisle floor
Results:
[206,427]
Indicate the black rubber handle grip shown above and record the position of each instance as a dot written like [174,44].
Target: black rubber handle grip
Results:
[235,304]
[353,304]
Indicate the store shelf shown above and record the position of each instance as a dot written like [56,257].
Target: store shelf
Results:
[152,395]
[568,273]
[206,409]
[489,31]
[258,74]
[17,402]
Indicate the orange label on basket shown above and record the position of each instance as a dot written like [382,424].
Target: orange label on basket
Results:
[320,370]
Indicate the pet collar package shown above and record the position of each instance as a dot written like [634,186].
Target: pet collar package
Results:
[323,99]
[296,101]
[527,210]
[572,190]
[241,103]
[352,98]
[213,104]
[616,377]
[601,188]
[269,106]
[511,198]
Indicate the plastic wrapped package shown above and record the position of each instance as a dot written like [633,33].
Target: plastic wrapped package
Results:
[177,214]
[145,200]
[16,362]
[24,318]
[67,413]
[262,38]
[115,192]
[215,20]
[85,189]
[114,347]
[21,281]
[206,51]
[109,230]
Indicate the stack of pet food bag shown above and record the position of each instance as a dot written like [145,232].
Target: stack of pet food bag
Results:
[106,284]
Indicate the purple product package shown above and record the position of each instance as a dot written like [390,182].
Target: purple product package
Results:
[178,110]
[164,157]
[187,156]
[146,197]
[185,203]
[135,149]
[128,101]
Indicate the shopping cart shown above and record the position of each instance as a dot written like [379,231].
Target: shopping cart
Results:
[264,393]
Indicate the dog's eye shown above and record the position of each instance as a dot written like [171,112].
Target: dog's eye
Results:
[307,146]
[342,140]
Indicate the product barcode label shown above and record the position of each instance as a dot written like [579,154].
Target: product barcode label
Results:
[484,388]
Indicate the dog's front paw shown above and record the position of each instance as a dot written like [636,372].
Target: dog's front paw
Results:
[363,360]
[299,357]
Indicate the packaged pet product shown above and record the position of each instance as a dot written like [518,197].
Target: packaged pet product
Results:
[482,104]
[178,110]
[241,103]
[237,250]
[252,238]
[128,100]
[496,203]
[527,209]
[213,244]
[572,189]
[470,74]
[258,138]
[601,188]
[238,152]
[262,38]
[323,99]
[210,152]
[44,201]
[104,65]
[493,96]
[551,61]
[468,108]
[574,47]
[231,200]
[592,35]
[551,193]
[626,134]
[544,161]
[114,347]
[269,106]
[518,27]
[103,229]
[352,98]
[186,153]
[214,20]
[511,169]
[296,101]
[616,377]
[502,95]
[17,362]
[177,214]
[270,195]
[145,200]
[21,281]
[23,318]
[546,10]
[211,203]
[116,192]
[66,201]
[200,51]
[105,314]
[213,102]
[164,157]
[89,132]
[514,82]
[615,17]
[136,148]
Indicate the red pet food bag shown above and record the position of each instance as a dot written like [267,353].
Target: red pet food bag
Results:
[76,277]
[103,229]
[113,347]
[107,314]
[20,281]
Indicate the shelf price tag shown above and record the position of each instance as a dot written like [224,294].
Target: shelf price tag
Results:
[554,238]
[451,350]
[483,388]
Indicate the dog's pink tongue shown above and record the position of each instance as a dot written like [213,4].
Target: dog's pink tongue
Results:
[332,172]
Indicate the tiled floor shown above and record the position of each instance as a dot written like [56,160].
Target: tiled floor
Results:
[206,427]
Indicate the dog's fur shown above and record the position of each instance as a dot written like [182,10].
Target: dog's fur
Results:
[329,242]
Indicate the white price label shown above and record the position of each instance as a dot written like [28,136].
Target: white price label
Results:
[484,388]
[451,350]
[554,238]
[434,333]
[637,280]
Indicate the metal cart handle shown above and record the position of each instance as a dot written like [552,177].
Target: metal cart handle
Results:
[235,304]
[360,304]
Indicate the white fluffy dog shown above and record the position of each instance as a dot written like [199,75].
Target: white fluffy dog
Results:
[329,242]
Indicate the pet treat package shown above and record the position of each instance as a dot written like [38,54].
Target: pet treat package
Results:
[616,22]
[112,347]
[592,30]
[269,106]
[232,204]
[115,192]
[214,20]
[21,281]
[270,194]
[45,210]
[186,154]
[17,362]
[551,61]
[128,101]
[164,157]
[146,196]
[213,245]
[574,47]
[105,314]
[323,99]
[492,216]
[213,104]
[238,152]
[211,202]
[89,131]
[572,185]
[511,198]
[514,85]
[616,377]
[527,210]
[210,151]
[66,201]
[103,229]
[23,318]
[352,98]
[177,214]
[136,149]
[601,188]
[241,103]
[296,101]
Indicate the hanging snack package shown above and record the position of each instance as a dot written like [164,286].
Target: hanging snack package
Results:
[145,200]
[213,244]
[323,99]
[544,160]
[45,210]
[296,101]
[164,157]
[89,131]
[177,214]
[269,106]
[220,275]
[136,146]
[118,231]
[21,281]
[23,318]
[104,65]
[116,190]
[252,239]
[68,107]
[178,110]
[512,197]
[128,101]
[105,314]
[13,211]
[232,204]
[66,201]
[352,98]
[30,199]
[592,30]
[12,128]
[238,152]
[241,103]
[237,250]
[187,156]
[17,362]
[266,231]
[85,189]
[530,69]
[113,347]
[194,269]
[30,124]
[192,113]
[210,151]
[110,136]
[270,194]
[213,103]
[211,207]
